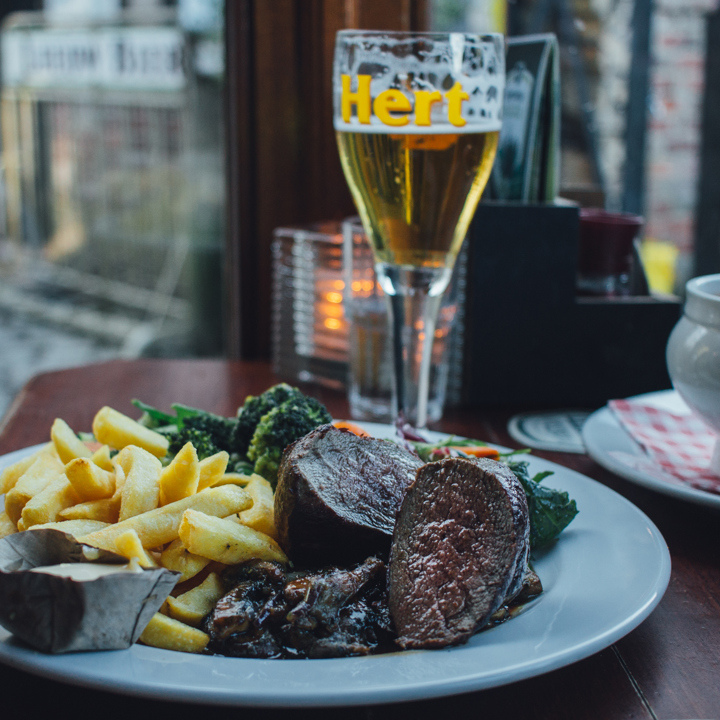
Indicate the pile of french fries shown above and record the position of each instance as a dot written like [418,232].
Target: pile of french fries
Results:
[189,516]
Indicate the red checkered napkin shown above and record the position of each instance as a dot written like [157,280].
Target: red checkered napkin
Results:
[678,447]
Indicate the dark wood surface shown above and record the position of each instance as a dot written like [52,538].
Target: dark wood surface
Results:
[667,669]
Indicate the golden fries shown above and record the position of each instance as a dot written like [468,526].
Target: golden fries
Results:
[67,444]
[182,517]
[164,632]
[51,500]
[45,469]
[128,544]
[261,516]
[224,540]
[180,478]
[192,606]
[117,430]
[232,479]
[90,481]
[177,558]
[141,491]
[106,510]
[11,474]
[7,526]
[101,457]
[76,528]
[160,526]
[119,478]
[212,469]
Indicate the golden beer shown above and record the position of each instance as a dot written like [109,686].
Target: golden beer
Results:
[417,193]
[417,118]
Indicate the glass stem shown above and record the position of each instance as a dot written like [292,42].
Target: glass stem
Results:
[414,296]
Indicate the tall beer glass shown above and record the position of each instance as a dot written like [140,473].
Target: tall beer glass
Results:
[417,118]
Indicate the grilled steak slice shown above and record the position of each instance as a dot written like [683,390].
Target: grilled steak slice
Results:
[460,549]
[338,494]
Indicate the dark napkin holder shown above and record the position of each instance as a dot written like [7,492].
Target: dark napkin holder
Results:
[529,340]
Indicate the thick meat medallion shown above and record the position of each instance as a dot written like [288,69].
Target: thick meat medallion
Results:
[460,549]
[338,495]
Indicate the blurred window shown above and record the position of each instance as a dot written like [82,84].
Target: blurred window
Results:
[112,126]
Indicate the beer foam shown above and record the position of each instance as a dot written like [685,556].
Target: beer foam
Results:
[423,61]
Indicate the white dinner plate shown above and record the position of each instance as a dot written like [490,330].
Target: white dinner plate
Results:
[611,446]
[603,577]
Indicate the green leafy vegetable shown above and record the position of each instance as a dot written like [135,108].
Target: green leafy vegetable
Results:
[255,407]
[255,439]
[281,426]
[428,451]
[152,417]
[209,433]
[194,424]
[551,511]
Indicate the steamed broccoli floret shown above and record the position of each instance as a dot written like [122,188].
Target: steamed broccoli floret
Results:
[201,440]
[257,430]
[255,408]
[281,426]
[209,433]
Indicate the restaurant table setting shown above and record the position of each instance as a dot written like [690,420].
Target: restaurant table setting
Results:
[665,667]
[627,623]
[676,447]
[667,440]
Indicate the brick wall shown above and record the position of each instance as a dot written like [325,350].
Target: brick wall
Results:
[676,87]
[677,76]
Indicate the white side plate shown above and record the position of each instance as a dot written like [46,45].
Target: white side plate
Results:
[611,446]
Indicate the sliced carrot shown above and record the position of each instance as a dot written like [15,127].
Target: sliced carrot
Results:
[352,427]
[479,451]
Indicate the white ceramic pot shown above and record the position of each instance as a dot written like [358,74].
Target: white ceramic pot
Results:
[693,353]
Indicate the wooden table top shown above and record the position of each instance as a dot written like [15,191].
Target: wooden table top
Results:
[666,669]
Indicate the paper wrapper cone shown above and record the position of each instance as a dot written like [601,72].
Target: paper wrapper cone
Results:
[58,614]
